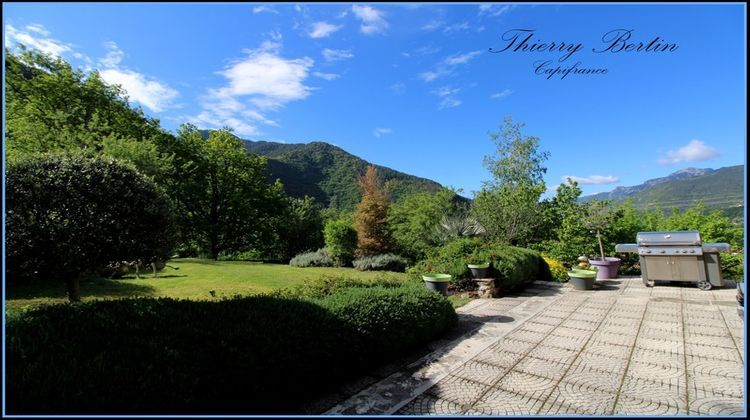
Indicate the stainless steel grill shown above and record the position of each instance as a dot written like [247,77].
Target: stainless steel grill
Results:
[677,256]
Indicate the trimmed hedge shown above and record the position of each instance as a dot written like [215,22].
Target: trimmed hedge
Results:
[260,354]
[557,270]
[511,266]
[381,262]
[319,258]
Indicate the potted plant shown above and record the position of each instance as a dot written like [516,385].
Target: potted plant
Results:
[599,217]
[437,282]
[478,265]
[582,278]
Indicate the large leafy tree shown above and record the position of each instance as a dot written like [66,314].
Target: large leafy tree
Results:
[51,107]
[224,201]
[70,214]
[508,204]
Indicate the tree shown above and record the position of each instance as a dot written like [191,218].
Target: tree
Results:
[508,205]
[371,217]
[341,241]
[224,202]
[70,214]
[414,219]
[599,217]
[300,227]
[52,107]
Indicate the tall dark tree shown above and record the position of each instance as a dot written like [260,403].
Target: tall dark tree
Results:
[224,201]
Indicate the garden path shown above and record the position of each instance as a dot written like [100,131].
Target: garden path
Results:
[622,348]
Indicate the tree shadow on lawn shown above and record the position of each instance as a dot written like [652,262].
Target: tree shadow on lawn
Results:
[91,287]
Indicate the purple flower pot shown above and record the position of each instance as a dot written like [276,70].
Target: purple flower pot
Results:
[607,268]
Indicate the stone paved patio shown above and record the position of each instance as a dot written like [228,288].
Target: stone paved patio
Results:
[622,348]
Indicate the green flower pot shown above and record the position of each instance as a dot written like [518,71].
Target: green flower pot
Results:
[437,282]
[479,271]
[582,279]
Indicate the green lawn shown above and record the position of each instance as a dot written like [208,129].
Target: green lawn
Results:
[195,279]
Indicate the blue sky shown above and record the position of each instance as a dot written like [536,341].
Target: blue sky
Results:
[414,86]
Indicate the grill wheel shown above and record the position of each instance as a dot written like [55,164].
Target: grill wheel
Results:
[704,285]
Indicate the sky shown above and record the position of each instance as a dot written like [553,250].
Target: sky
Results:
[616,93]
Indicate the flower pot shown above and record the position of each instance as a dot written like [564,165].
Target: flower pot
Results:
[437,282]
[479,271]
[607,268]
[582,279]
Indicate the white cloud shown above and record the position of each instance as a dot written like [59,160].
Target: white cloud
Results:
[505,93]
[397,88]
[495,9]
[694,151]
[39,40]
[461,58]
[261,82]
[448,97]
[326,76]
[456,27]
[336,55]
[593,179]
[322,29]
[264,9]
[150,93]
[373,20]
[378,132]
[432,25]
[448,65]
[114,55]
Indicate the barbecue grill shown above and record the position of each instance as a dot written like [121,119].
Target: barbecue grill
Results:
[677,256]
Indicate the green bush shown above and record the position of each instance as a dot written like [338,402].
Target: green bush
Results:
[326,285]
[249,255]
[732,266]
[70,214]
[259,354]
[558,272]
[319,258]
[382,262]
[341,241]
[511,266]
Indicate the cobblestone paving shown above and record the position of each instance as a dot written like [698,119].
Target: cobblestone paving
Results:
[620,349]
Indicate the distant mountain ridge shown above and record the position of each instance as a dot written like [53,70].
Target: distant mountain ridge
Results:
[721,188]
[329,173]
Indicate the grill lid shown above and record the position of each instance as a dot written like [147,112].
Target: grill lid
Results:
[669,238]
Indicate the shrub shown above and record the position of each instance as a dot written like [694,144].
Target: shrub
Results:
[557,270]
[319,258]
[257,354]
[512,266]
[249,255]
[70,214]
[326,285]
[732,266]
[341,241]
[382,262]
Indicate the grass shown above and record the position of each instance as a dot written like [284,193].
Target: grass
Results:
[195,279]
[458,301]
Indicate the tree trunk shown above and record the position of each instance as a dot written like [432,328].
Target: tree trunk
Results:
[601,246]
[73,284]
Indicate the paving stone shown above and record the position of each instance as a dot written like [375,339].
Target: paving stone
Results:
[571,399]
[600,362]
[570,343]
[725,341]
[510,345]
[527,336]
[717,406]
[706,385]
[428,404]
[538,327]
[458,390]
[503,359]
[580,324]
[613,338]
[659,344]
[668,357]
[712,353]
[526,384]
[553,354]
[671,391]
[499,402]
[607,350]
[541,367]
[585,378]
[627,405]
[484,373]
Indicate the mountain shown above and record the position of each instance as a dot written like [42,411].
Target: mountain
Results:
[329,173]
[718,188]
